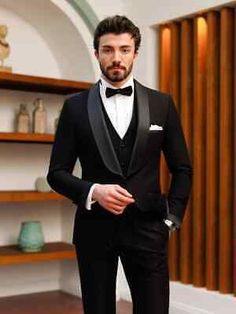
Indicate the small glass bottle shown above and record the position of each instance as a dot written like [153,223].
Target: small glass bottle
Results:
[39,117]
[23,120]
[56,121]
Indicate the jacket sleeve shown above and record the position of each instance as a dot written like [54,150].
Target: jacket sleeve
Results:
[178,161]
[63,157]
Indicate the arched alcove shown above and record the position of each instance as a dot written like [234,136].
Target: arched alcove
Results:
[61,31]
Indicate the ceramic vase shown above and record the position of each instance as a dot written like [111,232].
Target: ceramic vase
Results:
[31,236]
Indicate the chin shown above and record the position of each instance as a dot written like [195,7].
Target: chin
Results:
[117,79]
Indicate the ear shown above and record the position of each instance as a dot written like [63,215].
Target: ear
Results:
[96,54]
[135,54]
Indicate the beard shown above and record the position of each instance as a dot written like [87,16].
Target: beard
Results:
[116,72]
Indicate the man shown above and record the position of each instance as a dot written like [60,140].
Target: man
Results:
[118,129]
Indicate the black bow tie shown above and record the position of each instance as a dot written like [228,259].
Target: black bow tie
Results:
[127,91]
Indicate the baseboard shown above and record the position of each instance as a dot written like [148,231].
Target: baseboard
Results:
[186,299]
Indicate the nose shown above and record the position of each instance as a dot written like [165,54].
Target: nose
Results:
[116,56]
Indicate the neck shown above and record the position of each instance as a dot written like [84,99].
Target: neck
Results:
[117,84]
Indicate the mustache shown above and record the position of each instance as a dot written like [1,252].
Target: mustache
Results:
[116,66]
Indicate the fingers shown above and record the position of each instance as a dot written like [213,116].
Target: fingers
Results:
[115,207]
[120,195]
[112,197]
[116,210]
[119,203]
[123,191]
[120,200]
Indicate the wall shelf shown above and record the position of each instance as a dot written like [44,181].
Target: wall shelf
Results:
[28,196]
[41,84]
[11,254]
[26,137]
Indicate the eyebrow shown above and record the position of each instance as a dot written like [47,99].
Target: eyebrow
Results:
[123,46]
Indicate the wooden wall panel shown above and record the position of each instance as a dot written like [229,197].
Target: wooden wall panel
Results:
[234,167]
[198,67]
[226,151]
[199,128]
[175,63]
[174,245]
[164,53]
[164,86]
[186,80]
[212,151]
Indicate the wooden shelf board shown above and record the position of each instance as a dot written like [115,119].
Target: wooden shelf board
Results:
[11,254]
[26,137]
[26,196]
[41,84]
[53,302]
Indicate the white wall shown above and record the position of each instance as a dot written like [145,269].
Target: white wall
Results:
[104,8]
[153,12]
[29,52]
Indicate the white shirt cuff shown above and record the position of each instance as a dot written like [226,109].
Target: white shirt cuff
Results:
[89,200]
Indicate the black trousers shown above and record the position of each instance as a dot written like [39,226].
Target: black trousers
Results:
[140,240]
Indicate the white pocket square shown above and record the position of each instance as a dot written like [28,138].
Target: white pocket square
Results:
[155,127]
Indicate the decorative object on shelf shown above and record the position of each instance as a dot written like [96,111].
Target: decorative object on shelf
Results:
[23,120]
[4,49]
[31,237]
[56,121]
[42,185]
[39,117]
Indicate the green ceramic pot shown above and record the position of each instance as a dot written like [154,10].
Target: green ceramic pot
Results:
[31,236]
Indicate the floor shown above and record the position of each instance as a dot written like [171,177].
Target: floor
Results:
[55,302]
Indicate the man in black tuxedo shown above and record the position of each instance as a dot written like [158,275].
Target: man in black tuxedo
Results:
[118,129]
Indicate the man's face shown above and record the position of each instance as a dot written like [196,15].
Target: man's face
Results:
[116,54]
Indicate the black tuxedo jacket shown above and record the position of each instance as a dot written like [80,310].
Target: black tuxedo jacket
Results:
[82,133]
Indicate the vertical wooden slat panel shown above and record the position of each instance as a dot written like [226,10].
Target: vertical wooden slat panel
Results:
[175,63]
[207,235]
[175,92]
[200,38]
[164,57]
[212,151]
[186,79]
[226,151]
[164,85]
[234,167]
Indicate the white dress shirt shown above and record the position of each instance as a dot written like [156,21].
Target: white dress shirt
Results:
[119,109]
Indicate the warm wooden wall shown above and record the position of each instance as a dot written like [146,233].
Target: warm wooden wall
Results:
[196,66]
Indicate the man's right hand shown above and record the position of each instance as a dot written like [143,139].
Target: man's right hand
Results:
[112,197]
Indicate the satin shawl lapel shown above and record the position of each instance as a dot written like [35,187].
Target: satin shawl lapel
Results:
[100,132]
[138,153]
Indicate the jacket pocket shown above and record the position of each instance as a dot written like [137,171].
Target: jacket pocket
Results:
[154,202]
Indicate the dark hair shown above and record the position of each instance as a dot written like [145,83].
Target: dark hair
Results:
[117,25]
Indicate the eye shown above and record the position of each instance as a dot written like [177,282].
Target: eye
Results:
[106,50]
[125,50]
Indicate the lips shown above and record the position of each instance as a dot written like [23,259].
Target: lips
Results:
[116,68]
